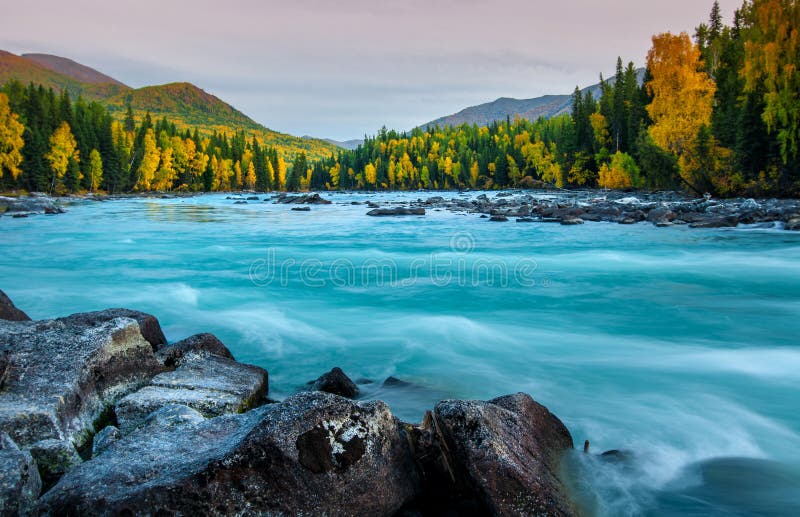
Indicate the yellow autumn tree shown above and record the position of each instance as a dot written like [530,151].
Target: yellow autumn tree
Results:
[11,142]
[683,96]
[621,173]
[280,174]
[165,175]
[250,177]
[95,170]
[63,148]
[474,171]
[151,156]
[370,174]
[271,180]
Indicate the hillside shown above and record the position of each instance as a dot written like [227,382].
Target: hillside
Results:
[184,104]
[70,68]
[531,109]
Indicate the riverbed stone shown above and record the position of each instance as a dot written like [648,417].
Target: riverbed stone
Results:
[210,384]
[507,451]
[313,454]
[383,212]
[8,311]
[62,375]
[20,483]
[716,222]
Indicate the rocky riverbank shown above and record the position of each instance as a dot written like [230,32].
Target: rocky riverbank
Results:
[99,415]
[571,207]
[661,209]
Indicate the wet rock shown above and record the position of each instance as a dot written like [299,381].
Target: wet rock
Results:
[104,439]
[209,384]
[20,483]
[336,382]
[8,311]
[199,344]
[749,205]
[252,198]
[240,202]
[526,220]
[54,458]
[792,225]
[627,220]
[379,212]
[62,375]
[571,221]
[307,199]
[33,204]
[149,326]
[498,218]
[661,213]
[507,452]
[314,454]
[301,209]
[716,222]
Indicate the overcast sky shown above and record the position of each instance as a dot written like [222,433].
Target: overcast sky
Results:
[343,68]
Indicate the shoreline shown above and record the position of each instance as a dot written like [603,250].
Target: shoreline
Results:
[567,207]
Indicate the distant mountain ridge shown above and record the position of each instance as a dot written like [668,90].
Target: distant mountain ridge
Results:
[70,68]
[547,106]
[182,103]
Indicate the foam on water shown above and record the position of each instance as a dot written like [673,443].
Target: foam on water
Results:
[677,345]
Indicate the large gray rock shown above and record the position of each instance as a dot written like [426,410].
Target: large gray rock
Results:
[19,480]
[62,375]
[103,439]
[507,452]
[148,324]
[378,212]
[212,385]
[8,311]
[33,204]
[54,458]
[314,454]
[202,344]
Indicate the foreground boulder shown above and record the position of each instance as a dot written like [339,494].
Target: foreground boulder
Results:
[378,212]
[314,454]
[336,382]
[148,324]
[8,311]
[54,458]
[209,384]
[506,453]
[62,375]
[19,480]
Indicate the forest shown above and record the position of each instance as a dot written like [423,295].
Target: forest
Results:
[716,113]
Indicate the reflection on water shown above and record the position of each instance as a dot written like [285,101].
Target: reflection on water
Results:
[178,213]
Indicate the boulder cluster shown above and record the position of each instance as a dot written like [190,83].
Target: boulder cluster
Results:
[99,415]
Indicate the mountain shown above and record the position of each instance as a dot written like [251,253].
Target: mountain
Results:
[70,68]
[547,106]
[184,104]
[350,145]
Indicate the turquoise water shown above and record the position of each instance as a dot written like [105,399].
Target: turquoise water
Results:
[678,345]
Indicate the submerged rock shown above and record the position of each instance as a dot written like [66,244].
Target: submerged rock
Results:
[20,483]
[498,218]
[571,221]
[301,209]
[210,384]
[61,375]
[507,452]
[313,454]
[33,204]
[336,382]
[396,211]
[8,311]
[310,199]
[716,222]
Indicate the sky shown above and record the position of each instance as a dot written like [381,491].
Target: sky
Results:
[344,68]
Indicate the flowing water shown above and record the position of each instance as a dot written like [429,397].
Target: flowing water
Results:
[677,346]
